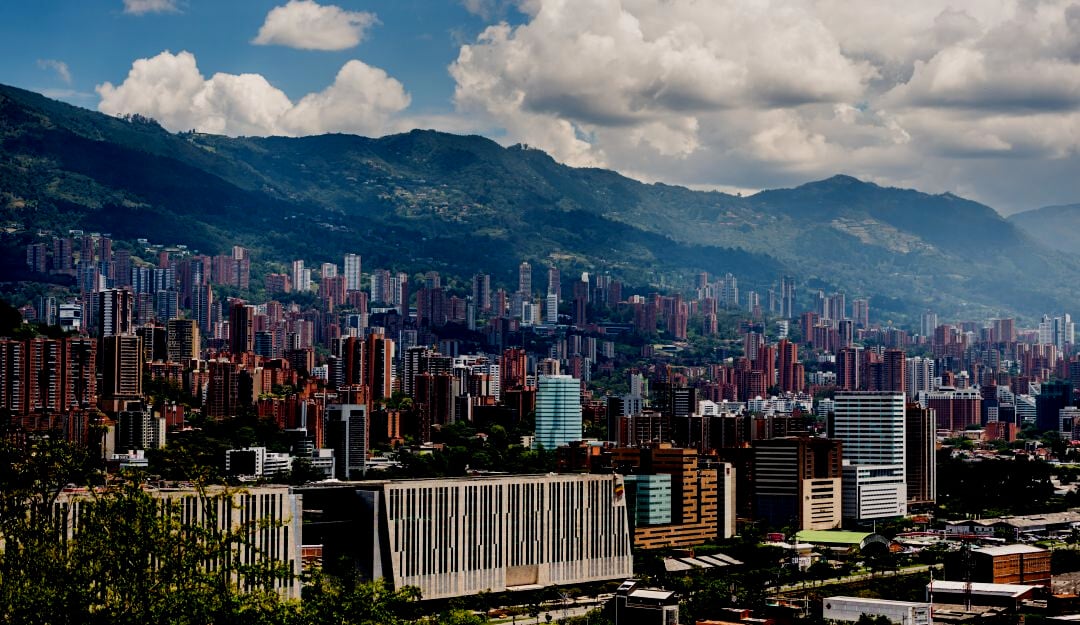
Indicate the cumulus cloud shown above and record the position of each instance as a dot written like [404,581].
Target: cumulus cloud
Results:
[732,93]
[307,25]
[139,7]
[60,67]
[171,89]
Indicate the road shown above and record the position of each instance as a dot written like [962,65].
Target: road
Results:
[857,577]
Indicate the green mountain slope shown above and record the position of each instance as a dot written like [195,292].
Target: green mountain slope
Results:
[1056,227]
[459,204]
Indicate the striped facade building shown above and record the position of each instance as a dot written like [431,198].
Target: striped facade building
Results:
[460,536]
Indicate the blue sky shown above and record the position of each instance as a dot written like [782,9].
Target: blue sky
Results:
[977,98]
[415,41]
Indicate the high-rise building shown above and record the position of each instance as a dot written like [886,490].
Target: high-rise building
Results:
[787,297]
[928,323]
[918,377]
[352,273]
[379,367]
[301,277]
[241,328]
[183,342]
[893,368]
[554,282]
[122,367]
[860,312]
[525,278]
[558,411]
[347,434]
[797,482]
[202,303]
[729,291]
[920,430]
[114,312]
[481,291]
[790,370]
[871,427]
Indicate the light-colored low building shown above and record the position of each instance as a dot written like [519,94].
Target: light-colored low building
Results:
[460,536]
[266,520]
[850,609]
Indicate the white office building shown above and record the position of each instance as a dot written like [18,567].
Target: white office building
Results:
[454,537]
[871,427]
[352,273]
[851,609]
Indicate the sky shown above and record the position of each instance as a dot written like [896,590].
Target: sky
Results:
[980,98]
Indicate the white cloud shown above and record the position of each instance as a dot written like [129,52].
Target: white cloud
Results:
[307,25]
[940,94]
[171,89]
[61,68]
[140,7]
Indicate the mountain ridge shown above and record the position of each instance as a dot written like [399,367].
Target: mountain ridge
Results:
[463,203]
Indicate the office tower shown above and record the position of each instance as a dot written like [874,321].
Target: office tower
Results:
[729,291]
[122,367]
[166,305]
[847,369]
[871,427]
[893,371]
[241,328]
[836,307]
[114,312]
[701,496]
[918,377]
[352,273]
[347,435]
[183,342]
[433,398]
[301,277]
[787,297]
[525,278]
[558,411]
[155,343]
[790,369]
[1053,396]
[202,301]
[552,309]
[920,427]
[860,312]
[928,323]
[379,367]
[554,282]
[798,482]
[481,291]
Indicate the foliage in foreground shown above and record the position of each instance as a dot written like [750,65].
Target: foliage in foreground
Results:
[123,556]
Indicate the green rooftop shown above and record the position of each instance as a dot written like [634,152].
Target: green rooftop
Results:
[834,537]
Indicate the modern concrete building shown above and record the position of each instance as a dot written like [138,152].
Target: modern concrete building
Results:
[702,496]
[460,536]
[558,411]
[850,609]
[645,606]
[265,520]
[797,482]
[874,491]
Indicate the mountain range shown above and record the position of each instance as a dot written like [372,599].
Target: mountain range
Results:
[459,204]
